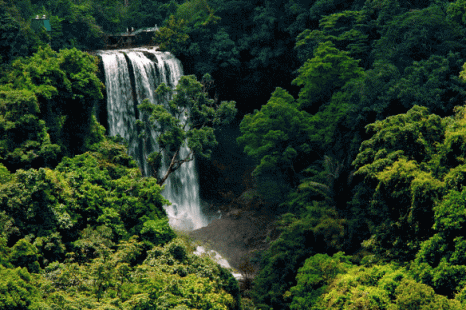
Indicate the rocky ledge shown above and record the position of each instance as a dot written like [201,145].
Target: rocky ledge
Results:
[238,234]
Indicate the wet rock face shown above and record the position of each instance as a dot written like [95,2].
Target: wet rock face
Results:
[237,234]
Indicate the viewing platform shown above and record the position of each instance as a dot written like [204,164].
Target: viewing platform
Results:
[130,38]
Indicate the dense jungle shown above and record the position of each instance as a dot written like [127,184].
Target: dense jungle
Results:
[342,122]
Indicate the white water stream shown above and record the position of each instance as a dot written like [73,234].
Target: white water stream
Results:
[214,255]
[132,75]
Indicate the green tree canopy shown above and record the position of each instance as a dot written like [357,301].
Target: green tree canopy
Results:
[382,287]
[417,34]
[100,188]
[23,136]
[397,164]
[16,39]
[411,161]
[314,277]
[277,137]
[67,87]
[433,83]
[348,30]
[317,230]
[173,36]
[328,71]
[170,277]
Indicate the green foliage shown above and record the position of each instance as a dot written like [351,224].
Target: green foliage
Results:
[5,175]
[81,24]
[404,171]
[193,21]
[397,164]
[223,50]
[325,7]
[315,276]
[66,87]
[409,176]
[156,231]
[417,34]
[4,252]
[24,138]
[348,30]
[30,200]
[432,83]
[414,165]
[143,13]
[173,36]
[111,191]
[322,75]
[266,57]
[342,226]
[73,24]
[170,277]
[329,128]
[189,118]
[221,45]
[193,34]
[382,287]
[193,10]
[317,230]
[440,261]
[16,38]
[24,254]
[275,136]
[195,282]
[281,262]
[164,280]
[367,97]
[385,91]
[94,189]
[17,289]
[110,15]
[87,209]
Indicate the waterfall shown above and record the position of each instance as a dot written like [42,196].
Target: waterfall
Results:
[132,75]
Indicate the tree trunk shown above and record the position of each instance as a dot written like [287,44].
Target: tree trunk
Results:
[169,170]
[172,165]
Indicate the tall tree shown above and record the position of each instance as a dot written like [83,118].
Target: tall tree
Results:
[325,73]
[277,137]
[397,164]
[188,120]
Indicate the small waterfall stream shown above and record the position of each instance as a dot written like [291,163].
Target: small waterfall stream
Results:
[132,75]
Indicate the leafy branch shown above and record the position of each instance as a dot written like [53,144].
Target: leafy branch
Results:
[183,117]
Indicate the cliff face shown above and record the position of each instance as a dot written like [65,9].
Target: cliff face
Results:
[238,235]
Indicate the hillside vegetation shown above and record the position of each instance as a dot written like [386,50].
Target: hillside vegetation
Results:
[352,121]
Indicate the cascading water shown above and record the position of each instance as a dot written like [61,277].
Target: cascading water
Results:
[132,75]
